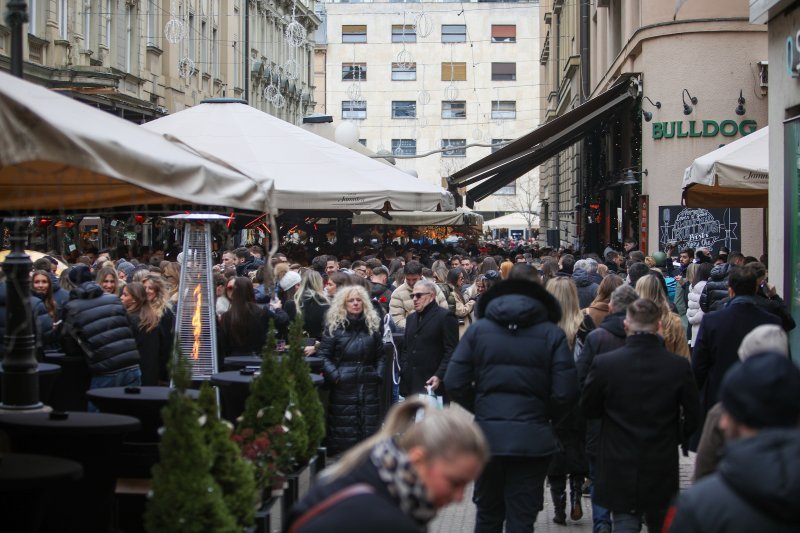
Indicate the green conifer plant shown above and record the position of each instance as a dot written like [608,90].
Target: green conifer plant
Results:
[308,402]
[185,497]
[231,471]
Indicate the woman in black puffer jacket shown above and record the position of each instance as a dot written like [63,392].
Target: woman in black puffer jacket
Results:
[353,365]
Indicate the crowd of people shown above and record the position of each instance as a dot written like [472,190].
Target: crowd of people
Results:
[584,373]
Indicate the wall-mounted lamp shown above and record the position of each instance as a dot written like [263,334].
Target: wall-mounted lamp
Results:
[740,110]
[630,177]
[687,109]
[648,116]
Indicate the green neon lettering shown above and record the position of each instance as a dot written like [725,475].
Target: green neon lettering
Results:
[728,128]
[710,128]
[669,133]
[658,130]
[747,126]
[681,133]
[692,131]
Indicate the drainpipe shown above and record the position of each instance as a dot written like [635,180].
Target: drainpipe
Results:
[584,37]
[247,51]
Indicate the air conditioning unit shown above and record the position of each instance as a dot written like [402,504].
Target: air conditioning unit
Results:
[763,74]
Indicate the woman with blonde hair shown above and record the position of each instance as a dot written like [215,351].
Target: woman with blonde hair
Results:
[569,463]
[399,478]
[153,353]
[352,354]
[312,303]
[108,280]
[650,288]
[172,276]
[598,309]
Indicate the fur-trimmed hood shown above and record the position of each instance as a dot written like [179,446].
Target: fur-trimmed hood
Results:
[518,302]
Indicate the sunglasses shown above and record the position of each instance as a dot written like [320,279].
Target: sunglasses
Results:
[416,295]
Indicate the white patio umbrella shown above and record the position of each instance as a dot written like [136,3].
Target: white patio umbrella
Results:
[514,221]
[57,153]
[309,171]
[736,175]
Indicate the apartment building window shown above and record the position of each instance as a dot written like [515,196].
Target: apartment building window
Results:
[504,109]
[354,33]
[152,23]
[454,71]
[236,54]
[33,16]
[404,109]
[204,47]
[63,7]
[109,14]
[404,71]
[404,34]
[404,146]
[363,142]
[504,33]
[354,71]
[192,40]
[354,109]
[129,40]
[511,188]
[504,71]
[87,24]
[454,147]
[215,53]
[455,109]
[454,33]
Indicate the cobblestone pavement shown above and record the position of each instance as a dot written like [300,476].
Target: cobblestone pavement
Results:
[461,517]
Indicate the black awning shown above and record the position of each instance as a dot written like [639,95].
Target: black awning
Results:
[529,151]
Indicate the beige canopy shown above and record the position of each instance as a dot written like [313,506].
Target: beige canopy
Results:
[421,218]
[59,154]
[736,175]
[512,221]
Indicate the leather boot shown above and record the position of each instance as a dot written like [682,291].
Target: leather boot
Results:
[575,492]
[559,506]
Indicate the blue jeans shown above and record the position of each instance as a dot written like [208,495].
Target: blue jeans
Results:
[600,515]
[632,522]
[124,378]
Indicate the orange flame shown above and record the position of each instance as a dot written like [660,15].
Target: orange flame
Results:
[197,325]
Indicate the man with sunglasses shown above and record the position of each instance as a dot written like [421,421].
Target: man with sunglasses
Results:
[401,303]
[431,336]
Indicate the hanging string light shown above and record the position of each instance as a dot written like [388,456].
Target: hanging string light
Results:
[423,97]
[295,33]
[354,89]
[451,91]
[174,29]
[291,69]
[423,24]
[186,66]
[404,58]
[279,101]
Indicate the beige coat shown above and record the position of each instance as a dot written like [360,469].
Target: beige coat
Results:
[401,305]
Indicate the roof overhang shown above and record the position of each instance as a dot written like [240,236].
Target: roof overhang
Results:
[529,151]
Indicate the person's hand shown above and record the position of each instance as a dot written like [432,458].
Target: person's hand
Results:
[276,304]
[309,350]
[679,279]
[433,383]
[770,290]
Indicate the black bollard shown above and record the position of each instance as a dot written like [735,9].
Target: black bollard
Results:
[16,16]
[20,368]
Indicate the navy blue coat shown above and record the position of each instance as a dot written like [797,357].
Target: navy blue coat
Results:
[516,362]
[717,344]
[96,326]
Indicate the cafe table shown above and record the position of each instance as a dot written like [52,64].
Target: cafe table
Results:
[236,362]
[234,387]
[48,375]
[92,439]
[28,486]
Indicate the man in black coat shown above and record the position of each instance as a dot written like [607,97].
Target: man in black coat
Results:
[639,391]
[95,326]
[757,485]
[720,334]
[516,364]
[431,336]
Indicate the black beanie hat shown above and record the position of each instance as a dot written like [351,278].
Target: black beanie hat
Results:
[79,274]
[763,391]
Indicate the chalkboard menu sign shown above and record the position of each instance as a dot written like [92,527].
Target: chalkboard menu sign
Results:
[697,227]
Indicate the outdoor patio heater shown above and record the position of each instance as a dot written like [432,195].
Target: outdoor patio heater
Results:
[195,321]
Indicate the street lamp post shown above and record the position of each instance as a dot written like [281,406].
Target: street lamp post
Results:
[20,369]
[16,16]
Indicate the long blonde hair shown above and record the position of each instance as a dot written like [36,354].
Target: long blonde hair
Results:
[161,301]
[564,290]
[336,317]
[649,287]
[311,286]
[441,433]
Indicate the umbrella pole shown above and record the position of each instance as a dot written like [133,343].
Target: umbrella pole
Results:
[16,16]
[20,369]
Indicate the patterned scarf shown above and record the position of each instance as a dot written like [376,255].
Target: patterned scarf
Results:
[404,486]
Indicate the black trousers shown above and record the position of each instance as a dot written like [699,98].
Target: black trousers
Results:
[510,490]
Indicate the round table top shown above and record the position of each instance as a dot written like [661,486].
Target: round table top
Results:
[136,394]
[43,368]
[236,377]
[22,470]
[255,360]
[76,422]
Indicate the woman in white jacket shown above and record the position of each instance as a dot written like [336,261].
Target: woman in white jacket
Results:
[693,312]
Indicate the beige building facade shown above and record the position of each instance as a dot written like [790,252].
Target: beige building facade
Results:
[707,51]
[116,54]
[445,79]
